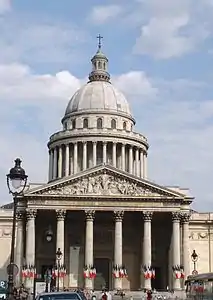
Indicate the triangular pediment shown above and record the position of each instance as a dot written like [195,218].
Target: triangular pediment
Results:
[105,181]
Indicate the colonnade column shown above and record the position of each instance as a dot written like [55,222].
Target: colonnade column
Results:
[94,153]
[60,162]
[141,163]
[137,162]
[123,157]
[50,164]
[145,165]
[67,159]
[60,215]
[130,159]
[185,246]
[75,162]
[176,247]
[114,154]
[147,246]
[104,152]
[19,245]
[84,155]
[118,251]
[55,158]
[30,243]
[90,214]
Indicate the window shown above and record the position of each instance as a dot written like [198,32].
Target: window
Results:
[65,126]
[99,123]
[99,65]
[124,125]
[113,124]
[73,124]
[85,123]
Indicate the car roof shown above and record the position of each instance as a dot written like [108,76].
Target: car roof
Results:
[56,293]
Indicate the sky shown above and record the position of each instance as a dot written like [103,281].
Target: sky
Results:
[160,56]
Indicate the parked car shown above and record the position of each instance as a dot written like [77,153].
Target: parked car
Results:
[61,296]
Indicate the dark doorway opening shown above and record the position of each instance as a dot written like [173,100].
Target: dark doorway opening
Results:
[46,275]
[102,266]
[157,283]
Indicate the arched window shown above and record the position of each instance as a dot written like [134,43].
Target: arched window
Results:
[124,125]
[73,124]
[113,124]
[65,126]
[85,123]
[99,123]
[104,66]
[99,65]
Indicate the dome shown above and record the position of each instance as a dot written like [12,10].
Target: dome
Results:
[98,96]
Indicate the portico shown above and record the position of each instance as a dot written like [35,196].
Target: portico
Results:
[108,217]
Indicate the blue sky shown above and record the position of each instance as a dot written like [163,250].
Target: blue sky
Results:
[160,55]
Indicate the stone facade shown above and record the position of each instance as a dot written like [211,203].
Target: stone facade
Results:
[103,211]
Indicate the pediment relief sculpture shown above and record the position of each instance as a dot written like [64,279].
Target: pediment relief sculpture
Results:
[105,184]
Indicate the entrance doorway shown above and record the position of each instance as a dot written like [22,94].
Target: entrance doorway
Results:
[102,279]
[157,282]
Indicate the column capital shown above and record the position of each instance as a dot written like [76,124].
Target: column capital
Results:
[185,217]
[94,142]
[60,214]
[90,215]
[84,143]
[176,216]
[147,216]
[31,214]
[19,215]
[118,215]
[104,143]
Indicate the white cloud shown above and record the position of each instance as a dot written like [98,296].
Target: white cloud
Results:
[5,6]
[48,41]
[103,13]
[138,84]
[173,28]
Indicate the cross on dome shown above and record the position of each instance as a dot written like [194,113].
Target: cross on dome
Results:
[99,37]
[99,64]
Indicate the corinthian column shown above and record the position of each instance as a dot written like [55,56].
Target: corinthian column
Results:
[104,152]
[60,162]
[114,155]
[123,157]
[176,247]
[118,250]
[75,167]
[94,153]
[84,155]
[67,160]
[147,245]
[19,245]
[55,162]
[185,239]
[30,243]
[90,214]
[60,215]
[130,159]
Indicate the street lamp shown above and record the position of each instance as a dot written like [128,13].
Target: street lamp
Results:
[194,258]
[49,234]
[58,258]
[16,183]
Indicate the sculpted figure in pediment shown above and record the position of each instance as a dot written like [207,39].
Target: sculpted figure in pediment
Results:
[103,184]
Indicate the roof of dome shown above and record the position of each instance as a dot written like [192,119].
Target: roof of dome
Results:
[98,96]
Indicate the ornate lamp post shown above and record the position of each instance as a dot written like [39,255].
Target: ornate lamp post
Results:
[49,234]
[58,258]
[194,258]
[16,183]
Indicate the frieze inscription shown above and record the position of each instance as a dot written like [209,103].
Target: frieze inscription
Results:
[105,184]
